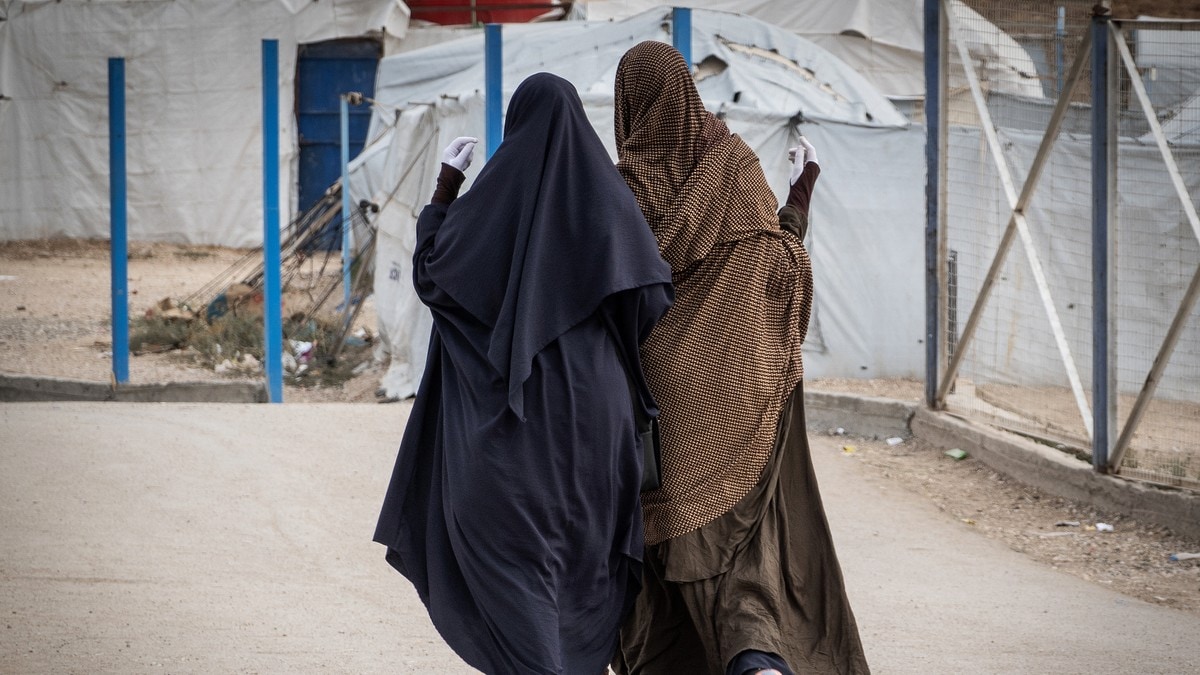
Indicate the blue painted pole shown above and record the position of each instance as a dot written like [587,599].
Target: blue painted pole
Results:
[933,115]
[1060,37]
[493,48]
[681,32]
[346,203]
[118,219]
[272,305]
[1100,211]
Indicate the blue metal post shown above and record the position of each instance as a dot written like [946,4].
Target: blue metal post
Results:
[681,32]
[493,48]
[272,306]
[346,203]
[1100,224]
[118,214]
[932,199]
[1060,37]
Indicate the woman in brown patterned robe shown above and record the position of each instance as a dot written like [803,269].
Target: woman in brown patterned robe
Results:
[740,575]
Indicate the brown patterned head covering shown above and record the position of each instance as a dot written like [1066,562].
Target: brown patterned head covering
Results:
[726,357]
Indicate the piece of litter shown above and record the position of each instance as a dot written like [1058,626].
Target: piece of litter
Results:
[7,277]
[969,521]
[849,449]
[895,440]
[1067,523]
[1104,527]
[1047,535]
[300,347]
[956,453]
[1179,557]
[840,431]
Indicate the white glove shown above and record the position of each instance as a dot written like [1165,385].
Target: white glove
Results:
[799,156]
[458,153]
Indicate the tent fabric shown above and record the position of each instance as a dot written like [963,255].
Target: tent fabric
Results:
[1182,127]
[392,171]
[193,111]
[882,39]
[1167,59]
[867,214]
[798,77]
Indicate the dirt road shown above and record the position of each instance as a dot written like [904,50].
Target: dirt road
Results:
[203,538]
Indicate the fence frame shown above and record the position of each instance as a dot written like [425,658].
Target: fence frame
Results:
[1116,35]
[1105,46]
[1017,223]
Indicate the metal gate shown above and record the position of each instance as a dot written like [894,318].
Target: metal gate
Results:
[325,71]
[1064,247]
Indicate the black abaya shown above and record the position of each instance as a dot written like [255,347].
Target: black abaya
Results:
[514,503]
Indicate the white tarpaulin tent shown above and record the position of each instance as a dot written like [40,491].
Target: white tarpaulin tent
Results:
[194,110]
[881,39]
[868,215]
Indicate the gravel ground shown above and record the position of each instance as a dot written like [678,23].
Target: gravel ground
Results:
[55,307]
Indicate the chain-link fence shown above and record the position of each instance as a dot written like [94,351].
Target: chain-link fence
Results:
[1018,282]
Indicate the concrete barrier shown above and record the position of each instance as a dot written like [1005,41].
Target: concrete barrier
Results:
[865,416]
[1020,458]
[19,388]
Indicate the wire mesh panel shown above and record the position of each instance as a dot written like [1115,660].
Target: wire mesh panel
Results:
[1158,248]
[1020,282]
[1017,255]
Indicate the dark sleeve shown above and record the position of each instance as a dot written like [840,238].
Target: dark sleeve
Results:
[793,217]
[449,317]
[428,223]
[449,182]
[432,216]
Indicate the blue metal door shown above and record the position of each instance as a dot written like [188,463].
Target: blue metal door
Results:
[324,71]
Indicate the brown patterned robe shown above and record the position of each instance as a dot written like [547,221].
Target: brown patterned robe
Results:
[739,555]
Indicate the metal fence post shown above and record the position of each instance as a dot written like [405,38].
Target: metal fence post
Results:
[345,148]
[934,81]
[272,307]
[1104,149]
[493,97]
[1060,38]
[118,220]
[681,32]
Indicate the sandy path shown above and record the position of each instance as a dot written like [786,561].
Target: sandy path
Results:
[222,538]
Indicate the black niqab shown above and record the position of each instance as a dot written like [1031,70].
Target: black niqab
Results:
[557,240]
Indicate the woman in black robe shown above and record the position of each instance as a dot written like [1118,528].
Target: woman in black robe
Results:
[514,503]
